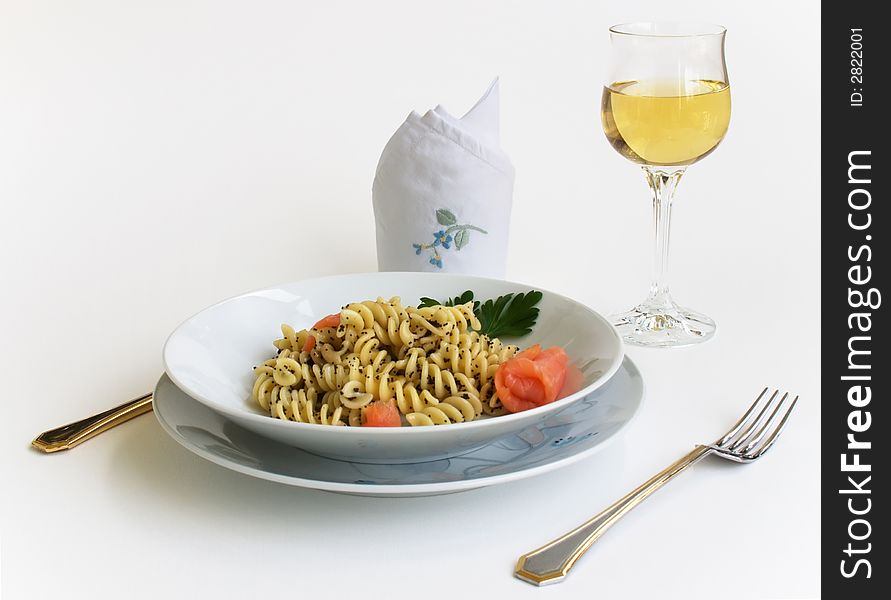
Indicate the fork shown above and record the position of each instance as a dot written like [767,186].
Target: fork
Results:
[747,441]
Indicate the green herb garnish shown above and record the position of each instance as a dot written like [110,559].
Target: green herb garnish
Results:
[511,315]
[462,299]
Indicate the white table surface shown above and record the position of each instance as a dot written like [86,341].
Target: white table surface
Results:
[156,157]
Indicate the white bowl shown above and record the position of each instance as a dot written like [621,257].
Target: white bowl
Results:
[211,354]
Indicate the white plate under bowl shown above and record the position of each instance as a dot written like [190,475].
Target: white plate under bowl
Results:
[571,434]
[211,354]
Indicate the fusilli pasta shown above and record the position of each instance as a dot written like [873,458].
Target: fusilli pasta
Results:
[430,361]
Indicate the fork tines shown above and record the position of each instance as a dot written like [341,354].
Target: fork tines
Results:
[759,428]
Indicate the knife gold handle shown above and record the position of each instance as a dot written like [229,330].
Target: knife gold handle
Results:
[69,436]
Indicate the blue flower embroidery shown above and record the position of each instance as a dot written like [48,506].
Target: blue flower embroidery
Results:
[441,237]
[444,237]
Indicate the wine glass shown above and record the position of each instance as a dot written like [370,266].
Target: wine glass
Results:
[666,106]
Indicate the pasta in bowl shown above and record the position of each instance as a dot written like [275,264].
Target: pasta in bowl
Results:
[378,364]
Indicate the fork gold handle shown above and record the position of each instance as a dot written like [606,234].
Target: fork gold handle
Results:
[551,562]
[69,436]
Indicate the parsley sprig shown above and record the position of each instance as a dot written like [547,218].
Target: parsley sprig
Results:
[511,315]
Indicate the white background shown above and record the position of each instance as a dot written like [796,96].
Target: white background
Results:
[156,157]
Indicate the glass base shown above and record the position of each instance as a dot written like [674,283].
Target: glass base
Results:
[663,325]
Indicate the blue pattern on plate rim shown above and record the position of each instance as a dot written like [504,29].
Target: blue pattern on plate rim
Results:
[573,430]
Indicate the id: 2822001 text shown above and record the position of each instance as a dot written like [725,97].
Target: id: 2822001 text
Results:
[856,66]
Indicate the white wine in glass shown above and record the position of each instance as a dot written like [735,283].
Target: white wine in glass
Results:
[667,106]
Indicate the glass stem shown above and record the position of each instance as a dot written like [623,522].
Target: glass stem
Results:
[663,182]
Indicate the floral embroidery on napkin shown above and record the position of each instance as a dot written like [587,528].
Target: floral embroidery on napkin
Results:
[444,238]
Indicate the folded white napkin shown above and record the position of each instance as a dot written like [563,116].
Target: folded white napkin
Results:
[442,193]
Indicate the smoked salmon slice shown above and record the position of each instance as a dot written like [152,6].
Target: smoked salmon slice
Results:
[329,321]
[382,414]
[534,377]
